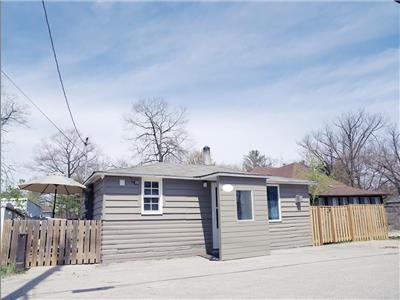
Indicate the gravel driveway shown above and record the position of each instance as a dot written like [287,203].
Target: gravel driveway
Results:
[350,270]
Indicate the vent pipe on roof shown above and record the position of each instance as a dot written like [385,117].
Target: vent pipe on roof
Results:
[206,155]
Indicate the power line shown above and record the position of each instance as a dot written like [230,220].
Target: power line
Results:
[38,108]
[59,75]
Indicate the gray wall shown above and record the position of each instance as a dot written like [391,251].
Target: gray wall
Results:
[184,229]
[393,215]
[33,210]
[295,228]
[98,188]
[241,239]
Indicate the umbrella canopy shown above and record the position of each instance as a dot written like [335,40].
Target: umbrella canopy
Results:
[53,183]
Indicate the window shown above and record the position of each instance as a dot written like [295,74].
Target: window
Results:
[353,200]
[244,205]
[343,201]
[377,200]
[122,182]
[151,197]
[274,205]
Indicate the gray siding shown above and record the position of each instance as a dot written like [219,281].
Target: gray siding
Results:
[295,228]
[98,189]
[241,239]
[184,229]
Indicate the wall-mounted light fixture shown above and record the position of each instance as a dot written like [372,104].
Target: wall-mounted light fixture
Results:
[204,184]
[227,188]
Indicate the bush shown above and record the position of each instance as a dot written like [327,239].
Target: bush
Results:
[8,270]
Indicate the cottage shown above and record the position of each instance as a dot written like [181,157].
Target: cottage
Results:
[336,193]
[166,210]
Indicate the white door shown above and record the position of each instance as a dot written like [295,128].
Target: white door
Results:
[215,214]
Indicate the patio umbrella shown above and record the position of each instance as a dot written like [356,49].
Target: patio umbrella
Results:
[55,183]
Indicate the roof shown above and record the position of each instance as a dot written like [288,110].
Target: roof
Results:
[183,171]
[180,171]
[393,200]
[293,170]
[11,207]
[335,188]
[285,180]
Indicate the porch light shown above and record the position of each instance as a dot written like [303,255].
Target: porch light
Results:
[227,188]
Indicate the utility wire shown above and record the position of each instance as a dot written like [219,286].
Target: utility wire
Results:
[59,75]
[38,108]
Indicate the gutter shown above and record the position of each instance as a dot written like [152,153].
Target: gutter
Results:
[100,175]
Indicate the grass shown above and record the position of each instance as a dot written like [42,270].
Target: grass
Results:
[9,270]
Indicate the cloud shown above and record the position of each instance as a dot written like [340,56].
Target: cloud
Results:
[258,75]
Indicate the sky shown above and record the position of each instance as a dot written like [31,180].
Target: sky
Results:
[255,75]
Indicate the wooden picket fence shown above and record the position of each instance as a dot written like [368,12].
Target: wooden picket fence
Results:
[52,242]
[332,224]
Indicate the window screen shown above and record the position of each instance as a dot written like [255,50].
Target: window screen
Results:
[273,203]
[244,205]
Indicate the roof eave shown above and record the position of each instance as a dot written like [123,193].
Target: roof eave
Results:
[212,176]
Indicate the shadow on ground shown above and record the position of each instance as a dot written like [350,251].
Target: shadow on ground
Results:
[22,292]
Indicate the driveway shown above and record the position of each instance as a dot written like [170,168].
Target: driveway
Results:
[350,270]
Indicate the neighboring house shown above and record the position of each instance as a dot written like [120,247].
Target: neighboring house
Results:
[19,209]
[392,207]
[336,193]
[166,210]
[29,208]
[9,212]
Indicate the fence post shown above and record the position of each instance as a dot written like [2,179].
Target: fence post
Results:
[319,225]
[333,224]
[351,221]
[5,241]
[385,221]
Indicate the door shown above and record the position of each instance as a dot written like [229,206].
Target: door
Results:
[215,214]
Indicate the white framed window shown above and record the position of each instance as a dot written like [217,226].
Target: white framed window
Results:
[244,205]
[152,196]
[274,203]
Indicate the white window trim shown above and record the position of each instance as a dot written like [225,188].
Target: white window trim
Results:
[252,205]
[279,204]
[160,196]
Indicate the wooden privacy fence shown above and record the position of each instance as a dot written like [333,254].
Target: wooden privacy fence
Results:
[332,224]
[52,242]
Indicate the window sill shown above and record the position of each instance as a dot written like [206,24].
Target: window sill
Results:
[275,221]
[151,213]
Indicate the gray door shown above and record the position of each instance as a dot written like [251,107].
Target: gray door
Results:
[215,214]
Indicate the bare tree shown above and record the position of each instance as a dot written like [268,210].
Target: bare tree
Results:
[386,158]
[342,146]
[255,159]
[66,155]
[12,113]
[159,130]
[195,157]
